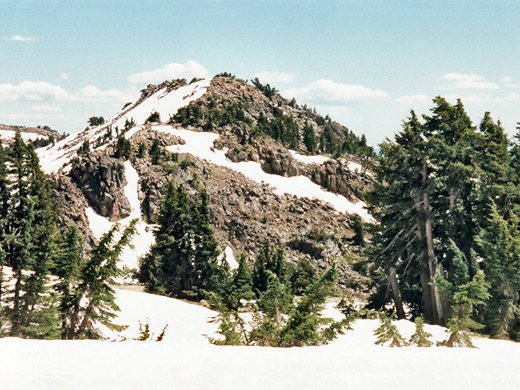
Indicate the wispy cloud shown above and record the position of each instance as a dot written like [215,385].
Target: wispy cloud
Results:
[331,92]
[413,99]
[33,91]
[469,81]
[479,99]
[19,38]
[276,77]
[171,71]
[63,77]
[45,109]
[91,93]
[508,82]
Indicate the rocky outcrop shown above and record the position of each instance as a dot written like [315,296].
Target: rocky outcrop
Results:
[72,204]
[101,179]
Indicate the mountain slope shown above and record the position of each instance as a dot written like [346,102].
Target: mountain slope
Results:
[219,136]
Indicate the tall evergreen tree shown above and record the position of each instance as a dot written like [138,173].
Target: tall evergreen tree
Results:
[184,259]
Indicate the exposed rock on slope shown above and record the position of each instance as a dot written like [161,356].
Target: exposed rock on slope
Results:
[245,210]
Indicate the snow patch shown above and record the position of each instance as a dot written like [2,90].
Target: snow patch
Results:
[200,144]
[230,258]
[308,159]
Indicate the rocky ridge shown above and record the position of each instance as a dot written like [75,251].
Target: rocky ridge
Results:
[244,212]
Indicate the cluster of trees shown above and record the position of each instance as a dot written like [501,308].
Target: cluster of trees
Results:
[210,116]
[186,262]
[77,297]
[447,240]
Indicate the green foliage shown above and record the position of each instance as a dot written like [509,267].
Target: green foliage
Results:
[218,112]
[309,139]
[183,262]
[359,231]
[465,298]
[84,148]
[302,275]
[141,152]
[432,200]
[145,334]
[154,117]
[420,338]
[155,152]
[96,121]
[123,148]
[283,129]
[500,246]
[388,333]
[266,89]
[269,262]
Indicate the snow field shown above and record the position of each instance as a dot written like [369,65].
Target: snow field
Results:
[200,144]
[185,359]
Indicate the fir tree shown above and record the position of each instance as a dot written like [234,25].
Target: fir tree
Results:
[95,300]
[184,260]
[387,332]
[420,338]
[465,299]
[500,247]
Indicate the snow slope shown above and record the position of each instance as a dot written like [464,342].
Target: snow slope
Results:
[185,360]
[53,158]
[200,144]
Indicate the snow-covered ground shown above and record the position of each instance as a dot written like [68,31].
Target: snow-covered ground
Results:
[185,359]
[27,137]
[308,159]
[53,158]
[200,144]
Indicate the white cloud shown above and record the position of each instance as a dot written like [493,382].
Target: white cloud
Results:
[171,71]
[43,109]
[19,38]
[276,77]
[91,93]
[331,92]
[35,91]
[508,82]
[63,77]
[413,99]
[478,99]
[470,81]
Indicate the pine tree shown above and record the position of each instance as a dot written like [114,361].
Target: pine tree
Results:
[269,261]
[305,325]
[387,332]
[420,338]
[309,139]
[500,248]
[465,299]
[184,260]
[95,300]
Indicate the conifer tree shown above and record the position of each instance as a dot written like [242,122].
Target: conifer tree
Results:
[500,246]
[184,260]
[95,300]
[388,333]
[420,338]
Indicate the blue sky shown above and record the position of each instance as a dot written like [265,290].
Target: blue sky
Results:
[367,63]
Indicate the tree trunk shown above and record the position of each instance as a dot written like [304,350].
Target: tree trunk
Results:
[431,261]
[396,295]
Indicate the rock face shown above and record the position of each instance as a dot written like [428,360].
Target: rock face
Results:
[101,179]
[73,204]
